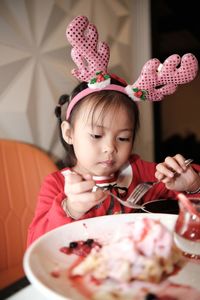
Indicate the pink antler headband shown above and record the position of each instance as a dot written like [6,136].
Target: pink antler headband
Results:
[91,57]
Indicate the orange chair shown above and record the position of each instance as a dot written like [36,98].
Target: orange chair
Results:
[22,170]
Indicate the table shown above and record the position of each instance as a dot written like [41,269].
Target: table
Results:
[21,290]
[29,292]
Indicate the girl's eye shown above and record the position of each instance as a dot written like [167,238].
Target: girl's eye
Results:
[96,136]
[123,139]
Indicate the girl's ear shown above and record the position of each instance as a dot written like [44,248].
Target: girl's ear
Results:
[67,132]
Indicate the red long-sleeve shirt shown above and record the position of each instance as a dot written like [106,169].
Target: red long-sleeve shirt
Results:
[49,213]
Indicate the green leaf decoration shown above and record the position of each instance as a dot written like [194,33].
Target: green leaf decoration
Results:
[93,80]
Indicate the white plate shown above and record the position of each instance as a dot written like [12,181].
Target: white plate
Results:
[43,256]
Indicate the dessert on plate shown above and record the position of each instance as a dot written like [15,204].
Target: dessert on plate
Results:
[142,250]
[134,263]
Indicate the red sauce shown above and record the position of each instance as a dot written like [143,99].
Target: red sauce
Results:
[78,282]
[80,248]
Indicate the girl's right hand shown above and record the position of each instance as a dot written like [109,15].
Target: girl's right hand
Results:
[80,197]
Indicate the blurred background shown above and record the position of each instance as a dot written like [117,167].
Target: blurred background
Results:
[35,67]
[175,29]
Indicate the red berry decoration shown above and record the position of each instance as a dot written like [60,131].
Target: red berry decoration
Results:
[100,78]
[138,94]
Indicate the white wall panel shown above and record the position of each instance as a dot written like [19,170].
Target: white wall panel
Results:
[35,61]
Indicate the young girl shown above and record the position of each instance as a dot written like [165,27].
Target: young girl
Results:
[98,134]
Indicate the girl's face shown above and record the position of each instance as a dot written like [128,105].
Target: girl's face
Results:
[101,145]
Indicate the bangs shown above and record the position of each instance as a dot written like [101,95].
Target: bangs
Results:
[111,103]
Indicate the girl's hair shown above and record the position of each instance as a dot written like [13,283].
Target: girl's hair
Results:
[105,99]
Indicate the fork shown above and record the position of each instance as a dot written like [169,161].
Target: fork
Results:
[142,188]
[139,191]
[126,203]
[123,202]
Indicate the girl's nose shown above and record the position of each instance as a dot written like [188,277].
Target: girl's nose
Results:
[109,147]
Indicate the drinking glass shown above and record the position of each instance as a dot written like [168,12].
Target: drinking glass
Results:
[187,229]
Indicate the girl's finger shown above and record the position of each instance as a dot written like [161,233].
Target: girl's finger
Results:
[87,176]
[92,197]
[71,177]
[80,187]
[172,165]
[159,176]
[162,170]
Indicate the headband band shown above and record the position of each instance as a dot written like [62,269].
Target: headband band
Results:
[88,91]
[91,57]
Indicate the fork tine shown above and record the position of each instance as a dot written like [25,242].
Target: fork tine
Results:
[138,192]
[126,203]
[139,188]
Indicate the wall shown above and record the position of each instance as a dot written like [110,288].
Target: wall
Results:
[35,62]
[182,109]
[141,52]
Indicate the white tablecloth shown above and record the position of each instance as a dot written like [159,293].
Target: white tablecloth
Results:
[27,293]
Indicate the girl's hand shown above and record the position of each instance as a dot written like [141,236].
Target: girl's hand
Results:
[186,178]
[80,197]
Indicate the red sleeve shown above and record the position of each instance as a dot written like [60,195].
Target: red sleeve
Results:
[49,213]
[196,167]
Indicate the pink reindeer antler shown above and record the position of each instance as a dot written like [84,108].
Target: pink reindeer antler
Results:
[89,55]
[157,80]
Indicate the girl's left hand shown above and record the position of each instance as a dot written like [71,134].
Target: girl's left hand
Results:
[186,178]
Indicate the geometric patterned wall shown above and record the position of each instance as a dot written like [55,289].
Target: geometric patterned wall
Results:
[35,61]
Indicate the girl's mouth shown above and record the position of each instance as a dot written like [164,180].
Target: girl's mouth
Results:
[107,163]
